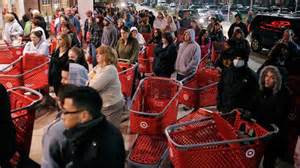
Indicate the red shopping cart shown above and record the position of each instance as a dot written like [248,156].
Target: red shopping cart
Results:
[23,114]
[154,105]
[29,70]
[147,36]
[200,89]
[148,151]
[145,59]
[126,76]
[213,142]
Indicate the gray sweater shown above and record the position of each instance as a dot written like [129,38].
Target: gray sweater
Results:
[109,36]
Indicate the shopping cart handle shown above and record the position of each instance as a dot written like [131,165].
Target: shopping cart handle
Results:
[124,60]
[171,128]
[40,97]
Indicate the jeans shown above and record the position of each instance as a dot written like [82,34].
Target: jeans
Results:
[92,52]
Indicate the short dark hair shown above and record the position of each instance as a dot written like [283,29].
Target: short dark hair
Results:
[86,98]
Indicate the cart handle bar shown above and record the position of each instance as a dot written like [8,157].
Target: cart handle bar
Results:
[170,128]
[164,110]
[22,74]
[125,71]
[40,97]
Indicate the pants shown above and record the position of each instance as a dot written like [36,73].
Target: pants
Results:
[114,113]
[93,53]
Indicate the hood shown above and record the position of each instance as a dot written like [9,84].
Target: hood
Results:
[78,75]
[278,76]
[191,33]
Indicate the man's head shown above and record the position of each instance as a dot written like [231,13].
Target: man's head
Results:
[89,13]
[107,21]
[68,12]
[238,18]
[80,106]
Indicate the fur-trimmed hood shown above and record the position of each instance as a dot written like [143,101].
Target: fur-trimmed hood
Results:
[278,76]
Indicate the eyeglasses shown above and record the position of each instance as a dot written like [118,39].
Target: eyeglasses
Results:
[64,112]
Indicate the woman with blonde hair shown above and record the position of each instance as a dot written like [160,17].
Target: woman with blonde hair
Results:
[58,59]
[105,79]
[12,29]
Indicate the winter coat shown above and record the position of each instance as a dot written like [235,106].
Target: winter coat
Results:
[240,25]
[272,105]
[189,55]
[109,36]
[55,68]
[95,34]
[164,60]
[94,144]
[145,28]
[8,132]
[236,89]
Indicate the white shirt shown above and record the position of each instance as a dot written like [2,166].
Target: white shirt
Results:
[41,48]
[11,31]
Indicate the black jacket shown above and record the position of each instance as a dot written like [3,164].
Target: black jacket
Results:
[55,68]
[240,25]
[95,144]
[236,89]
[164,60]
[8,132]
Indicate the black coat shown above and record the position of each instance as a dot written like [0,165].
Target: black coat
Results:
[164,60]
[240,25]
[8,132]
[95,144]
[236,89]
[55,68]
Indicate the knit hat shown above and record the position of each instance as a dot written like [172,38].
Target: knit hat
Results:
[109,19]
[133,29]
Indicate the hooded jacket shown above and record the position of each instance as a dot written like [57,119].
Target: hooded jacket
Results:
[273,105]
[189,55]
[236,89]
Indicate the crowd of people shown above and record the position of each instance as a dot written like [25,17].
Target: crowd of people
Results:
[83,77]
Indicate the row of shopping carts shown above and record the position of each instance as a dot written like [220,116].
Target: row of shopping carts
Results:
[200,139]
[22,75]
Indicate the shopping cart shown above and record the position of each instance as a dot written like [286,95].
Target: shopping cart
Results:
[22,101]
[200,89]
[154,105]
[145,59]
[30,70]
[147,36]
[148,151]
[126,76]
[213,142]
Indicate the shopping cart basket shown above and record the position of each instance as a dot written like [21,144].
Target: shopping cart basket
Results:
[30,70]
[213,142]
[148,151]
[145,59]
[154,105]
[23,114]
[126,76]
[147,36]
[200,90]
